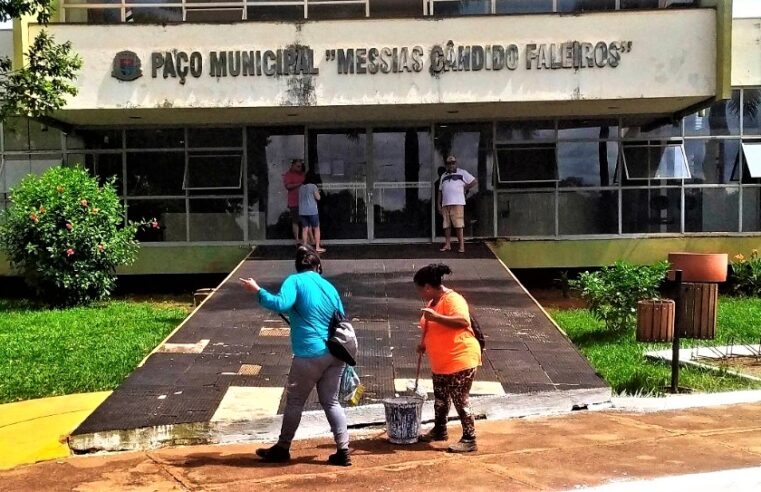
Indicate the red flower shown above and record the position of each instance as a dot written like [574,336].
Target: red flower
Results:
[69,252]
[69,226]
[34,217]
[154,224]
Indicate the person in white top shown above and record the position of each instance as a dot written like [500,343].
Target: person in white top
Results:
[454,184]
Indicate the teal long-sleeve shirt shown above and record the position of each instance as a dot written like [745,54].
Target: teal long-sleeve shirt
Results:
[309,300]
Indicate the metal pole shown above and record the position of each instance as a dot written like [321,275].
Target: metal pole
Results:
[677,329]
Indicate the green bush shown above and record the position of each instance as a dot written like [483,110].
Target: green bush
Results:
[613,292]
[746,273]
[66,235]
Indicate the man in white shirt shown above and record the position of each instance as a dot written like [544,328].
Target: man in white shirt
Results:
[454,184]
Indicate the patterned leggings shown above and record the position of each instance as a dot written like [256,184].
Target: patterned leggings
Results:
[457,388]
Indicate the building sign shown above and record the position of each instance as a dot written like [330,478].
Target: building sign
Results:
[437,60]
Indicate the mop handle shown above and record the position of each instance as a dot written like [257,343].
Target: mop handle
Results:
[417,375]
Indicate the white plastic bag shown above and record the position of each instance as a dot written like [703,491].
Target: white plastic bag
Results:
[351,389]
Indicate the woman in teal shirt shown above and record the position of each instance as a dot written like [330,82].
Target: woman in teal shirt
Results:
[310,301]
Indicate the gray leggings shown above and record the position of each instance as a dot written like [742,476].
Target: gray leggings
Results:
[306,373]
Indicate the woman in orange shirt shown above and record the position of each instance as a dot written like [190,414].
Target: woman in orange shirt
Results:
[454,353]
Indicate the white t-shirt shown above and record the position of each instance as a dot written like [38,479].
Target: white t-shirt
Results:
[452,187]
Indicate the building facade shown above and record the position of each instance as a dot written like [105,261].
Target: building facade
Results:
[597,130]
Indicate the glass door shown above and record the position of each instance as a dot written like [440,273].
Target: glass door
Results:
[337,161]
[401,190]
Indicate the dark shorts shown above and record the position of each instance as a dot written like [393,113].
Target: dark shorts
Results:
[294,215]
[310,220]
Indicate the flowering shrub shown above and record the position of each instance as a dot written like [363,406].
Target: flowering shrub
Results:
[66,235]
[746,273]
[613,292]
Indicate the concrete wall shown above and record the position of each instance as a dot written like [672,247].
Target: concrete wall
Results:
[175,259]
[599,252]
[515,254]
[746,52]
[672,55]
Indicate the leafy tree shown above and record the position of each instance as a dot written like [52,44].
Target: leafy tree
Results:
[42,84]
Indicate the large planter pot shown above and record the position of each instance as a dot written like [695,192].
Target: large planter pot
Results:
[655,320]
[700,267]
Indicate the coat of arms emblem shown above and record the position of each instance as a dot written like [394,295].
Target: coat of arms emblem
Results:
[126,66]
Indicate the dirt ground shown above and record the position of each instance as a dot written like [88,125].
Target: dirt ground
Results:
[551,298]
[546,454]
[745,365]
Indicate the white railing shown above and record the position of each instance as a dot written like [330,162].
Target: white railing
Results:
[176,11]
[232,10]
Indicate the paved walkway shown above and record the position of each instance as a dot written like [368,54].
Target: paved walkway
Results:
[229,361]
[560,453]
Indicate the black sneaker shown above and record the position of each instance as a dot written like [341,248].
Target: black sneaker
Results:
[340,458]
[275,454]
[464,446]
[435,434]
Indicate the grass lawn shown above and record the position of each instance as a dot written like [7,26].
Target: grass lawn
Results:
[50,352]
[620,359]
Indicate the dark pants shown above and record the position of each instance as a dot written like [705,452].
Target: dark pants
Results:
[455,387]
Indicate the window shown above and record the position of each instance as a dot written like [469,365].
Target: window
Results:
[588,212]
[25,134]
[523,6]
[713,161]
[395,8]
[460,7]
[170,216]
[525,131]
[214,137]
[103,166]
[343,9]
[652,129]
[155,173]
[639,4]
[752,153]
[585,5]
[527,163]
[645,161]
[94,139]
[711,209]
[721,118]
[270,151]
[651,210]
[752,111]
[526,214]
[213,171]
[160,138]
[17,167]
[287,10]
[216,220]
[152,15]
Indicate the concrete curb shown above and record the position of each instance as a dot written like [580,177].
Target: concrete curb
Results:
[313,423]
[682,402]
